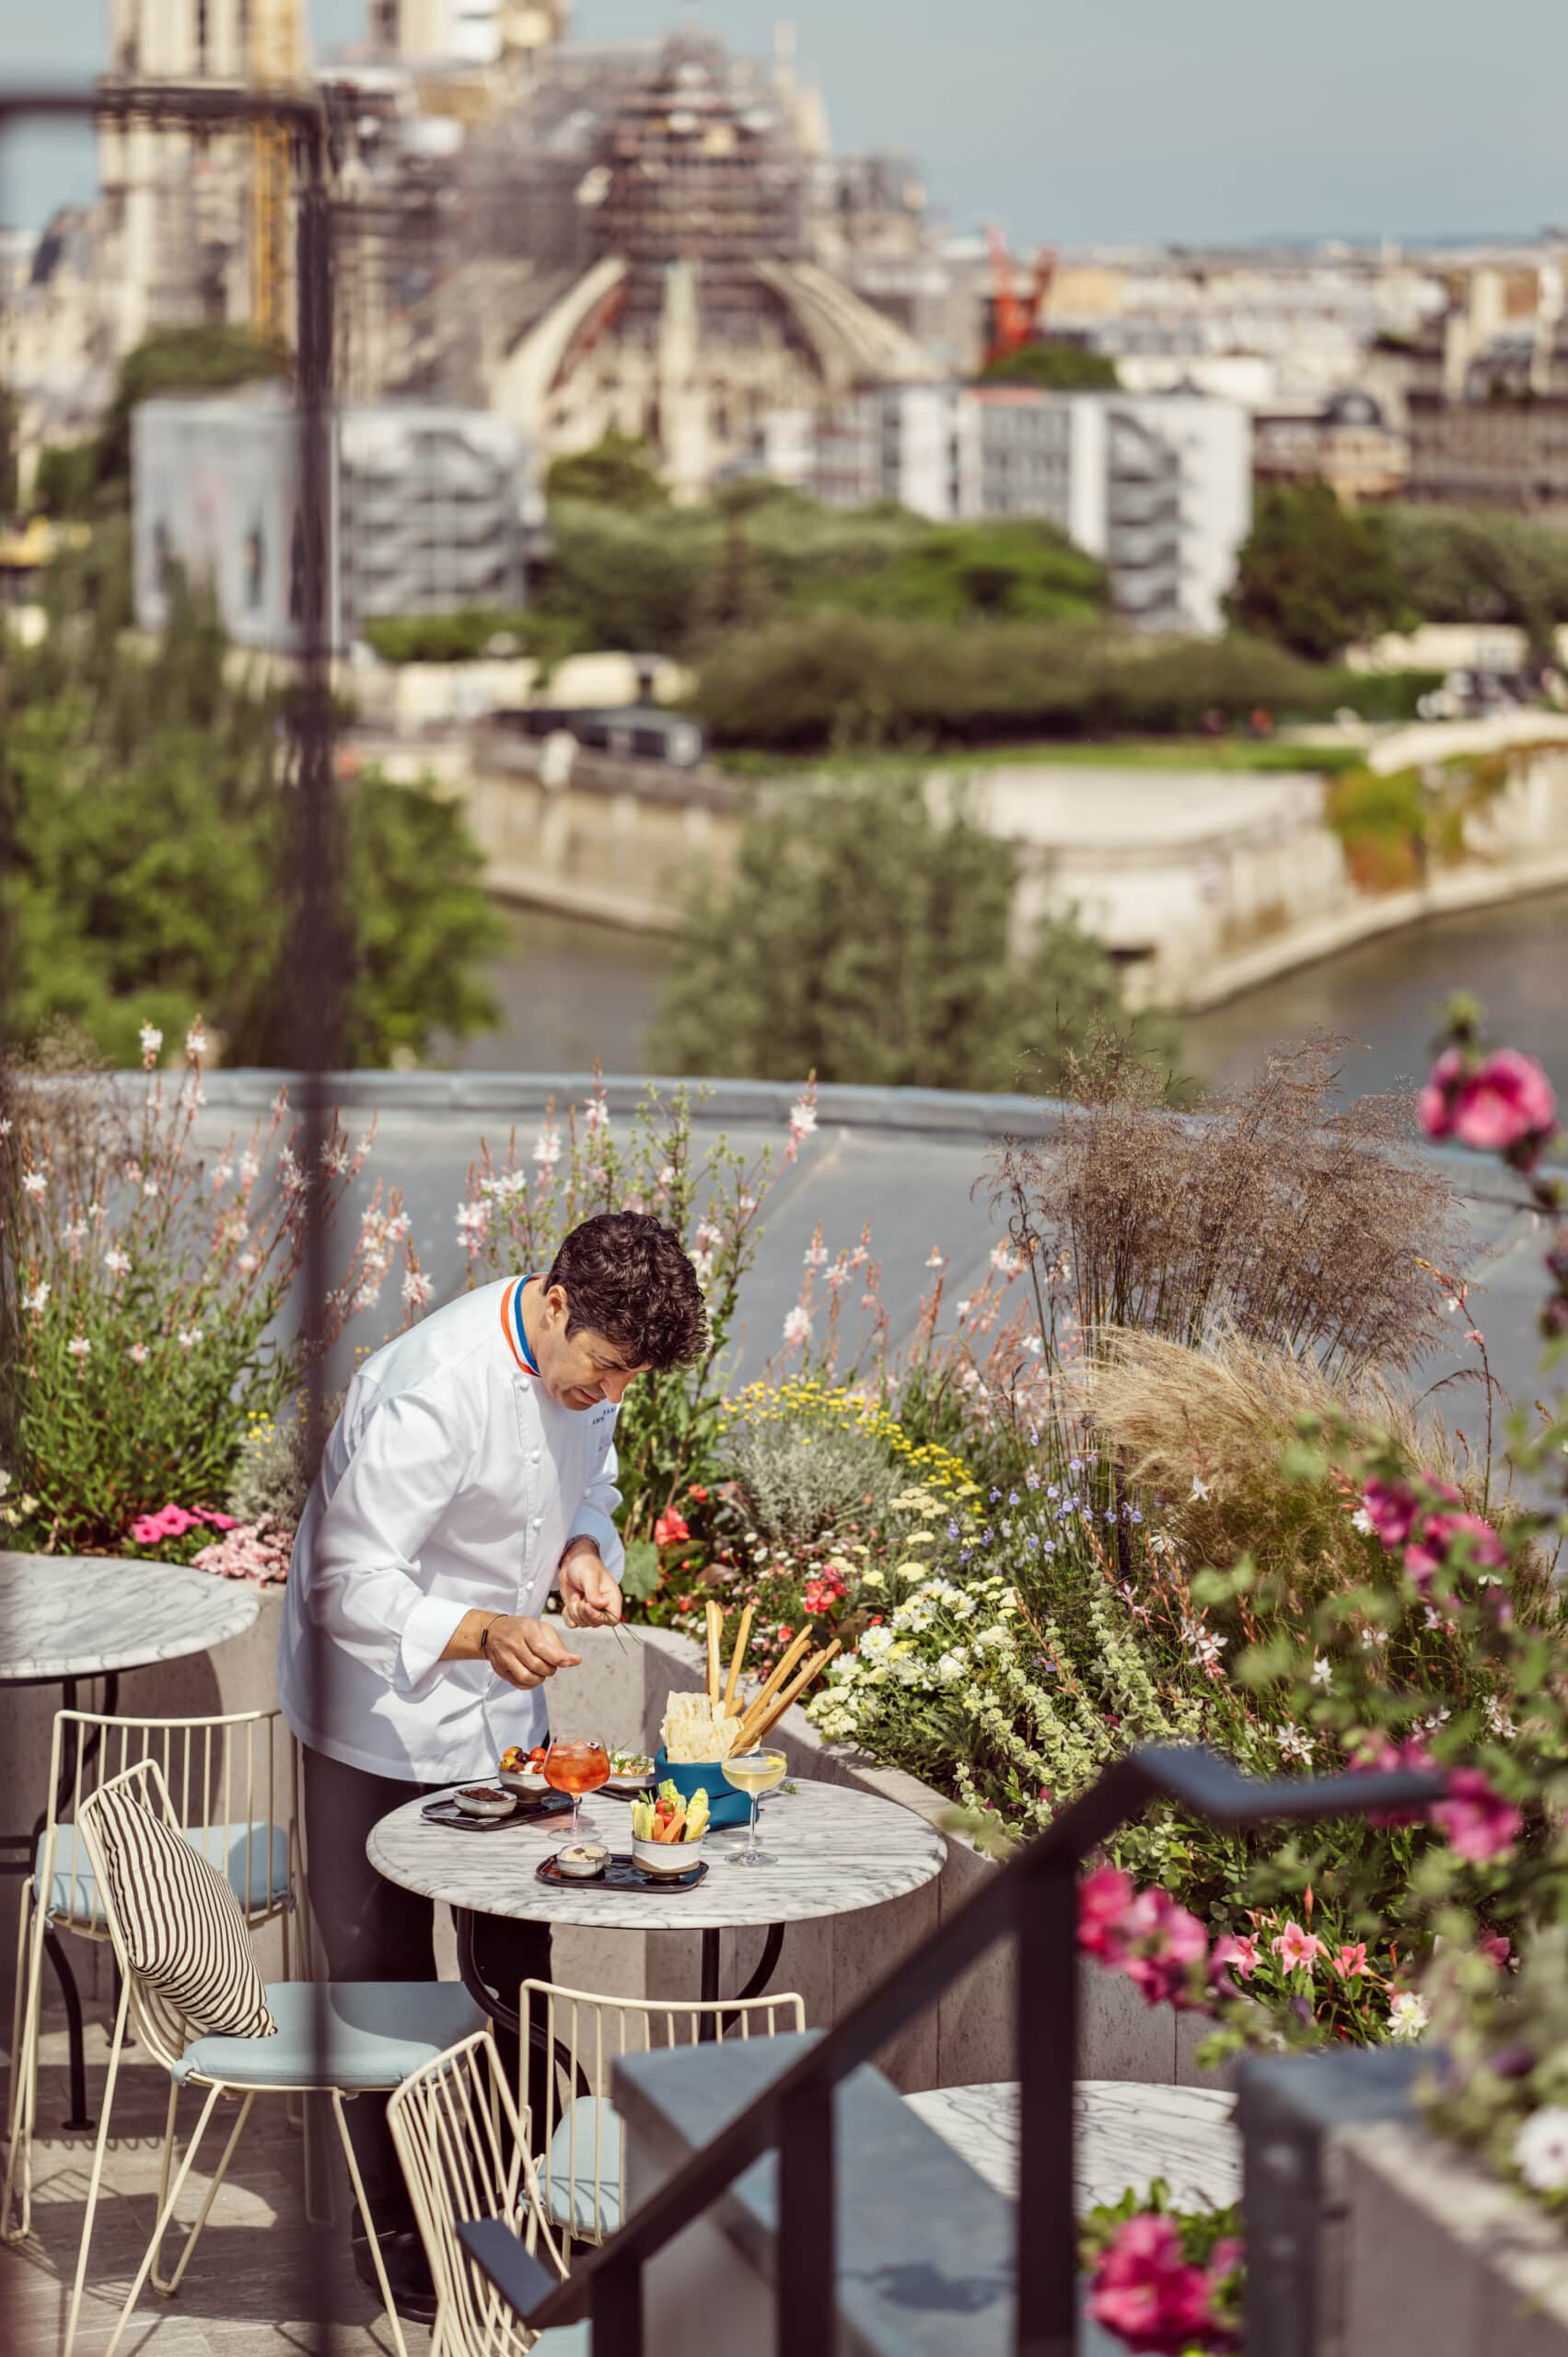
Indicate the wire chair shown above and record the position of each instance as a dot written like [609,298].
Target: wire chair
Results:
[463,2146]
[233,1785]
[392,2024]
[578,2149]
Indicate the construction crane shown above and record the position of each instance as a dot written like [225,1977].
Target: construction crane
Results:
[1013,316]
[273,60]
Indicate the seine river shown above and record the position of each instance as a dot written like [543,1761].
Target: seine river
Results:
[570,991]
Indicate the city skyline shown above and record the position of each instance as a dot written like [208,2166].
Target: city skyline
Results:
[1352,123]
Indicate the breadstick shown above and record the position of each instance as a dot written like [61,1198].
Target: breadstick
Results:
[798,1686]
[775,1679]
[732,1683]
[715,1629]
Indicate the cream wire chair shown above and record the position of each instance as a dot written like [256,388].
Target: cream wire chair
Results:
[577,2153]
[233,1784]
[463,2146]
[392,2024]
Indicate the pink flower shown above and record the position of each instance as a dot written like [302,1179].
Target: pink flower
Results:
[1351,1963]
[1161,1941]
[214,1520]
[671,1529]
[1104,1899]
[1145,2290]
[1390,1508]
[1507,1104]
[1239,1951]
[697,1491]
[1436,1102]
[1498,1949]
[1411,1753]
[1479,1822]
[147,1531]
[1294,1946]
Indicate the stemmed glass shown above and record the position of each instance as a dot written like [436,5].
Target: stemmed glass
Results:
[576,1766]
[755,1772]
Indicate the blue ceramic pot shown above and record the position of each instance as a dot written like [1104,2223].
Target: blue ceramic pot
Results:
[725,1805]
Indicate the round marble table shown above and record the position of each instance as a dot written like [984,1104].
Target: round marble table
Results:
[834,1851]
[63,1618]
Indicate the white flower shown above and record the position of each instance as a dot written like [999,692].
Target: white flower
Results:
[79,1346]
[875,1642]
[951,1664]
[1361,1520]
[37,1301]
[417,1289]
[1540,2149]
[188,1337]
[197,1039]
[596,1115]
[247,1264]
[152,1041]
[1003,1261]
[997,1634]
[802,1119]
[1498,1720]
[4,1481]
[118,1263]
[1294,1743]
[798,1326]
[138,1353]
[5,1125]
[547,1147]
[813,1256]
[874,1579]
[1322,1671]
[149,1187]
[1199,1490]
[472,1221]
[34,1182]
[963,1307]
[248,1168]
[933,1259]
[1408,2014]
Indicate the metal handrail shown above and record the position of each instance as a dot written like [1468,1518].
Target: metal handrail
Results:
[1034,1899]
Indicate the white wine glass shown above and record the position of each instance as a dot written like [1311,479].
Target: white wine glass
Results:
[754,1772]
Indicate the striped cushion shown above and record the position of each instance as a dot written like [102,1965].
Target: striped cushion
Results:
[181,1922]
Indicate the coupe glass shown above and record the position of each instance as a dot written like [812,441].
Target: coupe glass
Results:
[755,1772]
[577,1768]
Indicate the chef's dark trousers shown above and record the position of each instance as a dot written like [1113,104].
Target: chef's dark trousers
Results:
[374,1930]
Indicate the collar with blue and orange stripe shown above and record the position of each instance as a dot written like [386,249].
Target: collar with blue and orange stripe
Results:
[513,1328]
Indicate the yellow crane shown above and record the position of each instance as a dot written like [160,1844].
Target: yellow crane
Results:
[274,61]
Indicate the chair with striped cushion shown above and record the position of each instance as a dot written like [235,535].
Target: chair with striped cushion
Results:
[232,1783]
[191,1994]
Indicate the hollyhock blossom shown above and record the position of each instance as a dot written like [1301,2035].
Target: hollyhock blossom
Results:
[1104,1899]
[1479,1822]
[671,1529]
[1145,2290]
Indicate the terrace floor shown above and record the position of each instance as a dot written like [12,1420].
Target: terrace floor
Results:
[259,2272]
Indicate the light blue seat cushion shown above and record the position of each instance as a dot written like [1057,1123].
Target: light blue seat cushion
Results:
[566,2177]
[565,2340]
[376,2033]
[254,1857]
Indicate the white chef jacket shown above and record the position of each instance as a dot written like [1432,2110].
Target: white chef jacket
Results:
[451,1480]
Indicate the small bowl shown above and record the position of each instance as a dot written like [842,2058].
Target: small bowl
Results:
[526,1782]
[667,1858]
[631,1780]
[483,1800]
[581,1861]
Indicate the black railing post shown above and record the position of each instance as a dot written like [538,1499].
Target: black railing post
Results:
[615,2310]
[1047,2007]
[805,2253]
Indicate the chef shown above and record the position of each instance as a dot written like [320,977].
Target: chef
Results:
[472,1472]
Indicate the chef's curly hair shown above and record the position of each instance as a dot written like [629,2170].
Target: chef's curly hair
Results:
[627,1276]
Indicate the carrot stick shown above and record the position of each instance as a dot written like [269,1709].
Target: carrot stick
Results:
[732,1683]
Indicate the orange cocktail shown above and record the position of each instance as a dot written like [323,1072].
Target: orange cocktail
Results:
[577,1768]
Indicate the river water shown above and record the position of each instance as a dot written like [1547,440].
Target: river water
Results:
[571,990]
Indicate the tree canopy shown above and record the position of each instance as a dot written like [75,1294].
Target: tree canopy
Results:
[1054,368]
[867,937]
[210,358]
[1316,576]
[618,471]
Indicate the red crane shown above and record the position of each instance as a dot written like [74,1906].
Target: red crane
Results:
[1013,314]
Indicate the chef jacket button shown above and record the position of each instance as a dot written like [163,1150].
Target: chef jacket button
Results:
[535,1521]
[533,1457]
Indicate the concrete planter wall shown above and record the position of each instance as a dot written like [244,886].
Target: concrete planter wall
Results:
[620,1692]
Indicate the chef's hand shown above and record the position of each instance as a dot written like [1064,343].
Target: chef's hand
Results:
[524,1651]
[590,1596]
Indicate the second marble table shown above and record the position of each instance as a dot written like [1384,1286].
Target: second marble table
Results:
[833,1851]
[66,1618]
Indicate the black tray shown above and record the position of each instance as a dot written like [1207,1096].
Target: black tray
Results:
[623,1873]
[537,1808]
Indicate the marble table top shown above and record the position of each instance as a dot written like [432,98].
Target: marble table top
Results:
[1128,2134]
[80,1616]
[834,1851]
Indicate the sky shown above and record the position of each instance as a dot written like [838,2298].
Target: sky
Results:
[1089,120]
